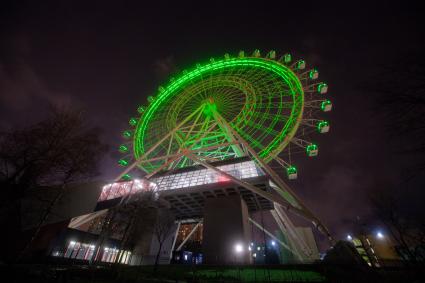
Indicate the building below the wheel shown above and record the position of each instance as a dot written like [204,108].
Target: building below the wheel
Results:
[215,221]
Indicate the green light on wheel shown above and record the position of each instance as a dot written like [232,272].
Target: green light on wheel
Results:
[312,150]
[326,106]
[313,74]
[127,134]
[291,172]
[126,177]
[123,162]
[132,122]
[300,65]
[323,127]
[272,54]
[141,109]
[322,88]
[150,98]
[209,109]
[123,148]
[287,58]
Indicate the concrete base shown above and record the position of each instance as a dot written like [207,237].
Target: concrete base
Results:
[226,234]
[144,242]
[141,235]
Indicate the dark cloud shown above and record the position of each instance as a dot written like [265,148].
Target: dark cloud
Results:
[22,89]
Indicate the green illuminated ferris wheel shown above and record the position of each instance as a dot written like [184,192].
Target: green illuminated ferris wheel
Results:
[267,106]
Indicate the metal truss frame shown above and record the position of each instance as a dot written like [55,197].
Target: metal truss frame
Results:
[188,149]
[188,236]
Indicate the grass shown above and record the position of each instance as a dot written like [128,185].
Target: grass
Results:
[259,275]
[227,273]
[168,273]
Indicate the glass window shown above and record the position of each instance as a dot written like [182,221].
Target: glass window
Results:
[70,249]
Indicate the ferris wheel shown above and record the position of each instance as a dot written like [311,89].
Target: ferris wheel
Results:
[270,106]
[265,108]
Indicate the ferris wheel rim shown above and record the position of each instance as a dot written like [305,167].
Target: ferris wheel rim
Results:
[284,72]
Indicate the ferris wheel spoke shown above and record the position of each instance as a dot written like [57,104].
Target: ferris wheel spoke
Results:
[261,107]
[258,96]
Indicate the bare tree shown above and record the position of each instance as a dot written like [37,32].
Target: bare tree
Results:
[406,228]
[164,227]
[60,150]
[134,212]
[401,102]
[56,151]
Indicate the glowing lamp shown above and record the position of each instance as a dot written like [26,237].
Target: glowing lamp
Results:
[222,179]
[126,177]
[323,127]
[312,150]
[300,65]
[127,134]
[123,148]
[132,122]
[322,88]
[141,109]
[326,106]
[313,74]
[238,248]
[272,54]
[123,162]
[291,172]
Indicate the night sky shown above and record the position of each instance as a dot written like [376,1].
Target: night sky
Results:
[108,56]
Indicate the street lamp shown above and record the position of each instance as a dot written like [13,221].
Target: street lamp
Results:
[379,235]
[238,248]
[349,237]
